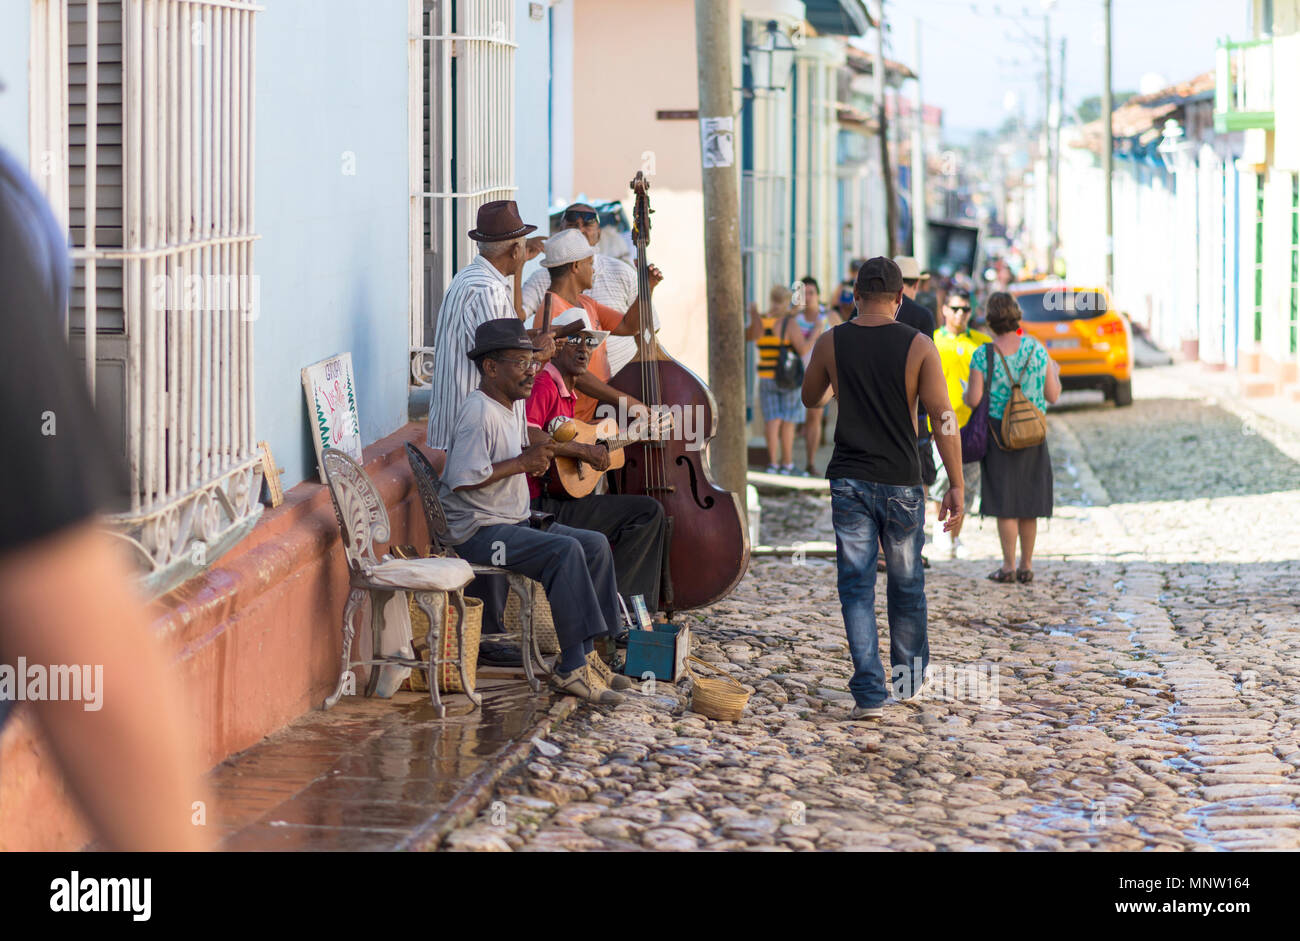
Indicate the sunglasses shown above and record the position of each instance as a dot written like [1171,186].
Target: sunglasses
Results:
[581,215]
[958,310]
[589,342]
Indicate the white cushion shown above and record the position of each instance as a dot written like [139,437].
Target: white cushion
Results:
[422,574]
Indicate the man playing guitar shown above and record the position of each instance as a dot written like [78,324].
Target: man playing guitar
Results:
[634,525]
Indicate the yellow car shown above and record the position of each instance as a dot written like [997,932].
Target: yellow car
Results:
[1091,341]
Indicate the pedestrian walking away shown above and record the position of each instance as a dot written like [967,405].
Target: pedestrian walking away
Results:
[878,369]
[1015,485]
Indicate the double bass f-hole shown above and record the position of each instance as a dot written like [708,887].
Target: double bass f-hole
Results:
[707,502]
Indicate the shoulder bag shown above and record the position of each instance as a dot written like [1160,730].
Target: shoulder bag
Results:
[975,433]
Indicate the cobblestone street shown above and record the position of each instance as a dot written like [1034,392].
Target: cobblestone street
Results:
[1142,693]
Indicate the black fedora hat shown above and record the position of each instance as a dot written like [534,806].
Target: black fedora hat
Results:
[498,221]
[508,333]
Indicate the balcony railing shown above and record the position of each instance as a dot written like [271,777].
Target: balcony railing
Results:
[1243,85]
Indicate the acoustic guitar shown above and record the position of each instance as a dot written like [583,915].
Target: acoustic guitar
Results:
[571,477]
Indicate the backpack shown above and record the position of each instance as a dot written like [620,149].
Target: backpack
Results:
[1023,425]
[788,371]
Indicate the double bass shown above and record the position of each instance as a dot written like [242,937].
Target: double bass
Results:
[707,536]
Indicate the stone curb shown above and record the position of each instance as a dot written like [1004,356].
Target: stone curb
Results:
[477,791]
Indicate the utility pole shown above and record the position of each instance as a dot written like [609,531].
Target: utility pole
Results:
[878,74]
[1107,159]
[920,219]
[1056,172]
[728,452]
[1047,144]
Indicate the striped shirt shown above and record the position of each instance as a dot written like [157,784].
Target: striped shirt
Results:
[613,283]
[477,294]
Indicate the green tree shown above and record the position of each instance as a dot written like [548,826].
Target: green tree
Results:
[1089,109]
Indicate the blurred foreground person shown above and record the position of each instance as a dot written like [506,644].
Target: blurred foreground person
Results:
[66,598]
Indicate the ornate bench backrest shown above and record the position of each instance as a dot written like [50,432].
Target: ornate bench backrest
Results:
[363,519]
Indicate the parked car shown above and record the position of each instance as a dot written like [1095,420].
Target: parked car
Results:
[1092,341]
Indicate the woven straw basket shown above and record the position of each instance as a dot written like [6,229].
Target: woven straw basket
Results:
[543,623]
[448,673]
[718,697]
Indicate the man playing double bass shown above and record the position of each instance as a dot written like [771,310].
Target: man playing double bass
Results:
[634,525]
[570,259]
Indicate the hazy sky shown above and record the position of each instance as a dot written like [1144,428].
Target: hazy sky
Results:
[972,58]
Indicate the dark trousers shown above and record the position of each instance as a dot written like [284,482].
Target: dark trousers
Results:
[634,526]
[574,566]
[492,590]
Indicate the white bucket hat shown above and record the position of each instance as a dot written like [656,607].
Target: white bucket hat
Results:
[565,247]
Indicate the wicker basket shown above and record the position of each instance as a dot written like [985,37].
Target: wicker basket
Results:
[543,623]
[448,673]
[718,697]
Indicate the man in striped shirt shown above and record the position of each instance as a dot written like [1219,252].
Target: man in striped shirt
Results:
[613,284]
[481,291]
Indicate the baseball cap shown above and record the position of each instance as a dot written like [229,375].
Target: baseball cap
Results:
[879,275]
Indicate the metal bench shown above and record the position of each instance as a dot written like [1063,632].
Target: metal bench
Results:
[363,522]
[427,483]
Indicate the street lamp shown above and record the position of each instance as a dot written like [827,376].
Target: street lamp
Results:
[1172,144]
[771,62]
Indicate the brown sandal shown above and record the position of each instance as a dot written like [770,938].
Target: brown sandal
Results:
[1024,576]
[997,575]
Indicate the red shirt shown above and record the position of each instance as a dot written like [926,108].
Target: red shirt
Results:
[550,398]
[598,317]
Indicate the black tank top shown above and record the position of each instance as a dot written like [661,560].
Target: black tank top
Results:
[874,437]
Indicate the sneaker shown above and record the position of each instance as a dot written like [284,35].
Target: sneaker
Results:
[772,469]
[574,683]
[958,550]
[788,470]
[866,712]
[925,690]
[942,542]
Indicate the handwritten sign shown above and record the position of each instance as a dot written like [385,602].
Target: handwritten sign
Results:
[332,407]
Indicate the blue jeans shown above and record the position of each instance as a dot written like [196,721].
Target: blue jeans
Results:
[863,514]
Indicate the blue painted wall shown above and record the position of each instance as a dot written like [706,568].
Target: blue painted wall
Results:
[15,25]
[532,119]
[331,207]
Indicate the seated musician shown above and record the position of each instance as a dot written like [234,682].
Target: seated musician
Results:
[569,259]
[484,494]
[634,525]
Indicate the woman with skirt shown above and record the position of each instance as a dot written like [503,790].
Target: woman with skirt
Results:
[1015,486]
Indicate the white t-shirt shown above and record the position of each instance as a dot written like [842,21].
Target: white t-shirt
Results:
[486,433]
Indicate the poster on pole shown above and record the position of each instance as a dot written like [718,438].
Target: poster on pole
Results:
[717,142]
[332,408]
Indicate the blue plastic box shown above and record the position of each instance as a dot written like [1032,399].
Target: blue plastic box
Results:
[661,652]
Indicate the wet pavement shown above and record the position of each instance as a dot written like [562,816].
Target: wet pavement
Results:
[373,774]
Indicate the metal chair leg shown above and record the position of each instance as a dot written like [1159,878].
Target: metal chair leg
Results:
[522,587]
[355,597]
[458,601]
[434,639]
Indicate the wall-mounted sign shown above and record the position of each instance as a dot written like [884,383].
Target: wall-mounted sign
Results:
[332,408]
[717,142]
